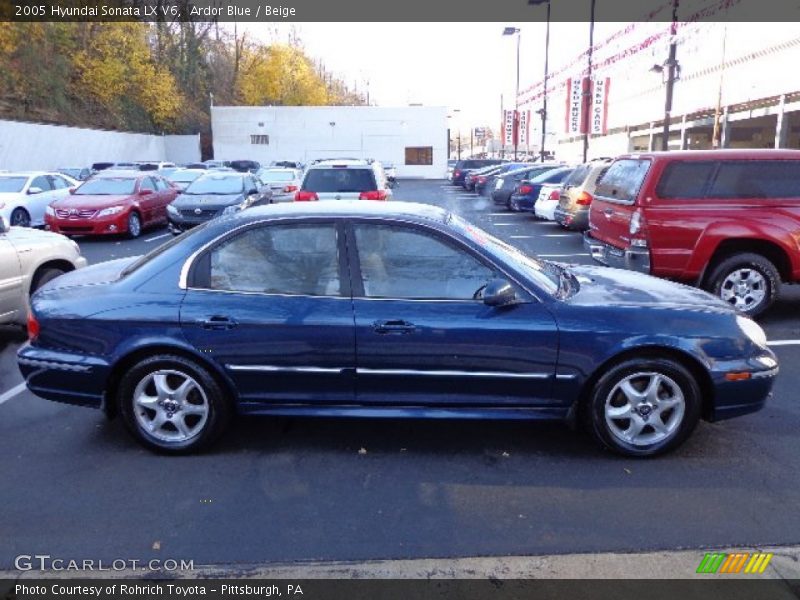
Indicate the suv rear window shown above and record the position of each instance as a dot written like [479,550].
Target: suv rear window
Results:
[623,180]
[685,179]
[340,180]
[757,179]
[578,176]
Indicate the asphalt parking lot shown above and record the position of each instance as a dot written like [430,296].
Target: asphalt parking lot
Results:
[280,489]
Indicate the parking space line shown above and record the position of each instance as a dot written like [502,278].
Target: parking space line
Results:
[558,235]
[503,224]
[505,214]
[521,237]
[12,392]
[784,343]
[158,237]
[561,255]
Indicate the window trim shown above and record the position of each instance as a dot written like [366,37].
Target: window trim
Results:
[189,275]
[357,283]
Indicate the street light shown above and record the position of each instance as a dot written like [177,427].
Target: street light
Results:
[543,110]
[586,96]
[512,31]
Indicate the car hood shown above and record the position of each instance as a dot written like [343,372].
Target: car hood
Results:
[104,272]
[26,236]
[604,286]
[200,200]
[90,201]
[10,195]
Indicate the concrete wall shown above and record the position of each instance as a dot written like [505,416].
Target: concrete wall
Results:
[308,132]
[31,146]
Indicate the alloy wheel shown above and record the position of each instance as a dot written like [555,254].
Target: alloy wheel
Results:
[744,289]
[170,406]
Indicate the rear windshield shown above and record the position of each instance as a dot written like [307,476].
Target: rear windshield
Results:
[553,176]
[276,176]
[578,176]
[623,180]
[107,186]
[184,176]
[340,180]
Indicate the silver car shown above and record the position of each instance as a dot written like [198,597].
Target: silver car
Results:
[29,258]
[283,182]
[25,195]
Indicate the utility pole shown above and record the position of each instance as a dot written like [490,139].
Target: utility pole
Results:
[671,65]
[587,92]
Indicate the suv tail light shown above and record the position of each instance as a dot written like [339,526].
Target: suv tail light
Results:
[373,195]
[525,189]
[584,199]
[638,229]
[305,196]
[33,327]
[289,188]
[457,172]
[555,195]
[481,179]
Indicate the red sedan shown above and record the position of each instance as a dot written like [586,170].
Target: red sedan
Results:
[112,203]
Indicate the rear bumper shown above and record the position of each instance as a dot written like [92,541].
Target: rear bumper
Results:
[523,203]
[578,220]
[633,259]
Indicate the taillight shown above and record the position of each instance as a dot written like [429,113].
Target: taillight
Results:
[373,195]
[584,199]
[289,188]
[638,230]
[555,195]
[33,327]
[481,179]
[525,189]
[305,196]
[456,172]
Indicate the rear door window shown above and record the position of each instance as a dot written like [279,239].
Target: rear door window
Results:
[623,180]
[340,180]
[757,179]
[685,179]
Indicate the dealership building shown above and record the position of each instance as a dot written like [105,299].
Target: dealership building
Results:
[737,86]
[412,138]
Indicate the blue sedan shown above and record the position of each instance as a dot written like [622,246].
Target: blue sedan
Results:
[389,309]
[527,192]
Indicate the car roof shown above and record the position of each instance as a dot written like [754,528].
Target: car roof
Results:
[279,169]
[346,208]
[721,154]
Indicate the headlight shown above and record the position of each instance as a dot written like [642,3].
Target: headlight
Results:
[752,330]
[49,210]
[111,210]
[171,209]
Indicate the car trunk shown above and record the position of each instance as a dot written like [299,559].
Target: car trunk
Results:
[616,199]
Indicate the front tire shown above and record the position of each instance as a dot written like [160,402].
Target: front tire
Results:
[644,407]
[747,281]
[172,405]
[134,225]
[20,218]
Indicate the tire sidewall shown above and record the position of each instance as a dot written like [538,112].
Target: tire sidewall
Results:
[131,217]
[678,373]
[218,414]
[748,261]
[46,276]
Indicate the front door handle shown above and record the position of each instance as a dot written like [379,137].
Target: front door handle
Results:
[217,322]
[395,326]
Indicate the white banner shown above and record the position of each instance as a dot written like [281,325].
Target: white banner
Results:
[508,128]
[598,116]
[524,127]
[574,104]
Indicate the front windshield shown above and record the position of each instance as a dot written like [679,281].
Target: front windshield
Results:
[220,184]
[12,184]
[545,274]
[107,186]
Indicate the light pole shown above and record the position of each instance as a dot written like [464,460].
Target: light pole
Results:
[671,66]
[543,110]
[586,96]
[451,116]
[513,31]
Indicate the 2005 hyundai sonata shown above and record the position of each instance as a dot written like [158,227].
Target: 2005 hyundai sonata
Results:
[386,310]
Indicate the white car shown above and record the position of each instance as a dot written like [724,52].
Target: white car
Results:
[24,196]
[547,201]
[29,258]
[283,182]
[344,179]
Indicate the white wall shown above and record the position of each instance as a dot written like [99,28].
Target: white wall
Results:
[32,146]
[305,132]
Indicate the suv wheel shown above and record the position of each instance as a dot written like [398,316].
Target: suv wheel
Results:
[746,281]
[644,407]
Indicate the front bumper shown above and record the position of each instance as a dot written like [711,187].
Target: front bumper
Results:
[741,397]
[180,223]
[633,259]
[112,225]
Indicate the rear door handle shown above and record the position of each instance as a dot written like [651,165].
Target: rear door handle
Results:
[217,322]
[608,211]
[395,326]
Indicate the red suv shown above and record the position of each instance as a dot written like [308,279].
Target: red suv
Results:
[725,220]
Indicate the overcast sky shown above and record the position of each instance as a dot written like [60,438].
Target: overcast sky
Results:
[464,66]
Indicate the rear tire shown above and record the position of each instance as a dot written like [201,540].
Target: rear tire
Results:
[747,281]
[644,407]
[172,405]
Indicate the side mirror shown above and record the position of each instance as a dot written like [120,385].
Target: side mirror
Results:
[498,293]
[35,190]
[72,190]
[145,192]
[4,225]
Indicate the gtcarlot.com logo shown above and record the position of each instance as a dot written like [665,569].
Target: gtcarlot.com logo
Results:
[737,562]
[46,562]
